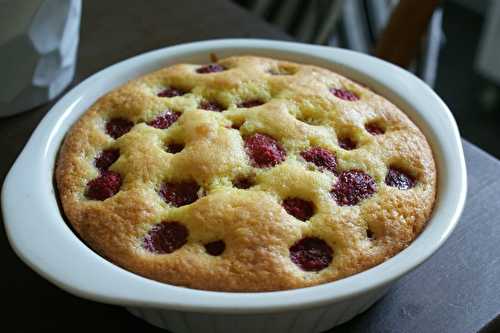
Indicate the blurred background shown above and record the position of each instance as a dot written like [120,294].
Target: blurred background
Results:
[452,45]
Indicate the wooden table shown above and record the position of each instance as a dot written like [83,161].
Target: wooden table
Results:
[457,290]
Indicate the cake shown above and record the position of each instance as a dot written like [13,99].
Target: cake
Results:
[245,174]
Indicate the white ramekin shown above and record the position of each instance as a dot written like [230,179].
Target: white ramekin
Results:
[41,238]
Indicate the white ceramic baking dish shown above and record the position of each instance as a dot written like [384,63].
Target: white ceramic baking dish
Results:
[42,239]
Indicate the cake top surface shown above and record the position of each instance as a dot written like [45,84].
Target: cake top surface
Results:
[248,174]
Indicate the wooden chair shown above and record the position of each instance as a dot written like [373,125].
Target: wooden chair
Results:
[405,32]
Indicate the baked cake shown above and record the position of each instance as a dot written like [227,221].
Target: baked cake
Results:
[247,174]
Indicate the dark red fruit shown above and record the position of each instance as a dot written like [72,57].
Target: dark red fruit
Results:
[352,187]
[264,151]
[166,237]
[374,129]
[117,127]
[211,106]
[369,234]
[104,186]
[215,248]
[165,120]
[212,68]
[400,179]
[345,94]
[322,158]
[175,148]
[236,126]
[251,103]
[107,157]
[347,144]
[311,254]
[243,183]
[179,194]
[300,209]
[171,92]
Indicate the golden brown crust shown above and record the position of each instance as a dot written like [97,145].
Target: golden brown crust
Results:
[300,113]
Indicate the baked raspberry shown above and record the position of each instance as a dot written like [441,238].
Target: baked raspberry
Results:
[117,127]
[175,148]
[107,157]
[347,144]
[212,68]
[370,234]
[179,194]
[264,151]
[251,103]
[104,186]
[322,158]
[215,248]
[172,92]
[400,179]
[374,129]
[165,120]
[311,254]
[352,187]
[211,106]
[243,183]
[300,209]
[236,126]
[166,237]
[345,94]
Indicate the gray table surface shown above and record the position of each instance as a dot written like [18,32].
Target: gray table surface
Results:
[457,290]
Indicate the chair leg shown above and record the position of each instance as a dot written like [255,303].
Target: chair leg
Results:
[402,36]
[433,43]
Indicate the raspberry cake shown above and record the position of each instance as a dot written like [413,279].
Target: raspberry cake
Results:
[248,174]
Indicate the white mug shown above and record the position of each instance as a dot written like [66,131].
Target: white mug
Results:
[38,46]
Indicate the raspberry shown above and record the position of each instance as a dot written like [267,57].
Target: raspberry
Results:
[322,158]
[165,120]
[374,129]
[117,127]
[352,187]
[347,144]
[345,94]
[250,104]
[243,183]
[104,186]
[166,237]
[400,179]
[171,92]
[264,151]
[311,254]
[236,126]
[175,148]
[211,106]
[212,68]
[179,194]
[106,158]
[301,209]
[215,248]
[370,234]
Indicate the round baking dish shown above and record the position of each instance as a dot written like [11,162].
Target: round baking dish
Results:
[59,256]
